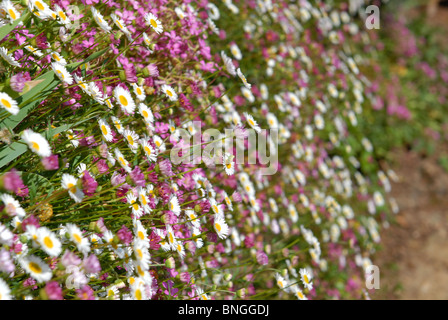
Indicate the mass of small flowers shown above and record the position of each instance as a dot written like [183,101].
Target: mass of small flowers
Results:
[93,95]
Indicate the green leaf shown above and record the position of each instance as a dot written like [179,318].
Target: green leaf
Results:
[10,152]
[5,30]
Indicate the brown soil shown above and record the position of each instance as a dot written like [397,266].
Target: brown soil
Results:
[414,260]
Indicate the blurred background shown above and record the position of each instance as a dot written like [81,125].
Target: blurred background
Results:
[413,123]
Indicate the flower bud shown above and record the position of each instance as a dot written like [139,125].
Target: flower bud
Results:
[170,263]
[241,293]
[122,75]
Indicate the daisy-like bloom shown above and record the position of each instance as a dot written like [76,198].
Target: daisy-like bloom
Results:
[216,208]
[36,268]
[149,151]
[132,139]
[105,129]
[272,120]
[180,13]
[180,250]
[160,144]
[37,143]
[306,277]
[146,113]
[8,57]
[69,183]
[123,162]
[229,164]
[12,206]
[227,200]
[95,92]
[75,235]
[169,92]
[139,92]
[5,292]
[299,294]
[172,241]
[49,242]
[293,213]
[58,58]
[236,51]
[230,67]
[252,123]
[221,227]
[62,16]
[144,200]
[201,294]
[8,7]
[108,103]
[198,241]
[174,205]
[62,73]
[142,255]
[140,233]
[243,78]
[281,282]
[83,85]
[124,99]
[248,94]
[112,293]
[148,42]
[34,51]
[133,204]
[155,23]
[100,20]
[194,221]
[117,124]
[40,9]
[138,291]
[120,24]
[8,103]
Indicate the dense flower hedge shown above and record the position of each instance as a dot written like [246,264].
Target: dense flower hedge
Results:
[93,96]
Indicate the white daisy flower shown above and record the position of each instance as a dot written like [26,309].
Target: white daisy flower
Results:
[37,143]
[221,227]
[12,206]
[8,8]
[306,277]
[75,234]
[69,183]
[40,9]
[34,51]
[105,129]
[235,50]
[243,78]
[133,204]
[148,42]
[169,92]
[8,57]
[34,265]
[194,221]
[124,99]
[123,162]
[120,24]
[230,67]
[138,92]
[6,236]
[149,151]
[49,242]
[100,20]
[160,144]
[132,139]
[62,73]
[229,164]
[252,123]
[62,16]
[155,23]
[174,205]
[146,113]
[58,58]
[8,103]
[117,124]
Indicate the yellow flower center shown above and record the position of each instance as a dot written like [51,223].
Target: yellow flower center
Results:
[104,130]
[218,227]
[39,5]
[123,100]
[305,277]
[148,150]
[170,235]
[141,235]
[131,141]
[153,23]
[6,103]
[35,146]
[168,92]
[300,294]
[48,242]
[119,24]
[138,294]
[77,238]
[158,143]
[12,14]
[139,91]
[61,74]
[251,122]
[62,15]
[144,202]
[122,161]
[34,267]
[145,113]
[140,253]
[229,165]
